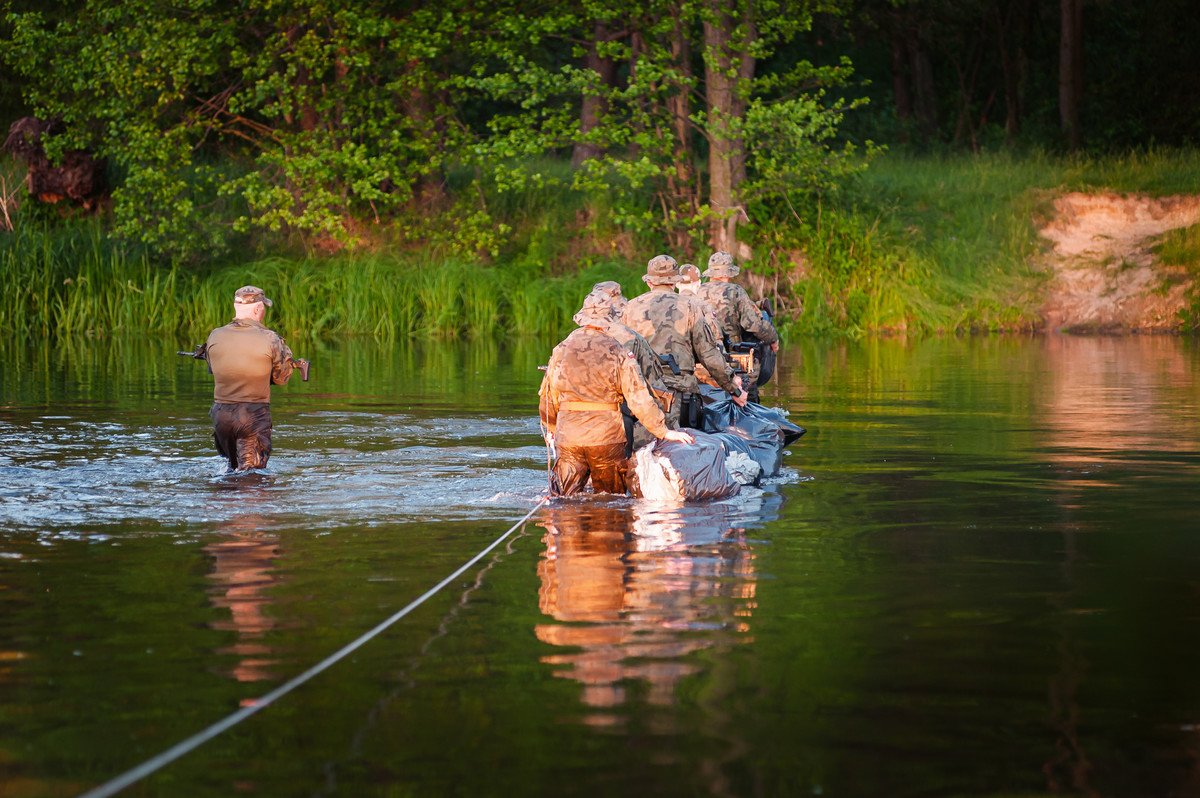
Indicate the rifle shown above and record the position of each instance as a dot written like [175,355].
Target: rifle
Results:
[740,357]
[669,361]
[201,353]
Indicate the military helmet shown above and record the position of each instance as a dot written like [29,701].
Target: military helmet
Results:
[662,270]
[720,264]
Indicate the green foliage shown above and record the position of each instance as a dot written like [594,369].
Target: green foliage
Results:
[72,280]
[330,108]
[1182,248]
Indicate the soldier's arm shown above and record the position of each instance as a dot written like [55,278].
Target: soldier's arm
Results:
[548,399]
[637,396]
[648,360]
[751,318]
[281,362]
[708,352]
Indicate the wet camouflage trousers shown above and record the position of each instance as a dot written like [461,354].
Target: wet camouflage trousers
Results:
[606,465]
[242,433]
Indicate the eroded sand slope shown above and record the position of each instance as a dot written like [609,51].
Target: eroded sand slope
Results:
[1105,277]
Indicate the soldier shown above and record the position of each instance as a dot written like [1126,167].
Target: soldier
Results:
[734,311]
[612,290]
[674,326]
[245,359]
[588,378]
[689,282]
[607,296]
[690,286]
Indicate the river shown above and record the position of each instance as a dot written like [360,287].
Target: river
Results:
[978,574]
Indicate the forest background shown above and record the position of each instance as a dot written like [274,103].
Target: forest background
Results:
[472,169]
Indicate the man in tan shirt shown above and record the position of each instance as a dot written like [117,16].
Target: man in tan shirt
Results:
[590,374]
[245,359]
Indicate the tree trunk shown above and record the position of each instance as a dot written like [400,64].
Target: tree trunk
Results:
[1008,30]
[922,76]
[727,62]
[683,185]
[900,75]
[635,52]
[420,106]
[1070,71]
[594,102]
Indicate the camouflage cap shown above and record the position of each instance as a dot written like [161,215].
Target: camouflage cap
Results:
[661,270]
[689,281]
[249,294]
[596,311]
[613,301]
[720,264]
[608,288]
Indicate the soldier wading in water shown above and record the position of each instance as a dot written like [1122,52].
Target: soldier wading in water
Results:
[589,375]
[675,327]
[735,312]
[245,359]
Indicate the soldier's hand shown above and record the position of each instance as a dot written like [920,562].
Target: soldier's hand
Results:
[678,436]
[774,346]
[741,399]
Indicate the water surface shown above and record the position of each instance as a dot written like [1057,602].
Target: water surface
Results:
[976,576]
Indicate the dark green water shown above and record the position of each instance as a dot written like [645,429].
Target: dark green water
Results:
[979,575]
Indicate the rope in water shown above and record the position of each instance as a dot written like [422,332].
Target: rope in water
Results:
[133,775]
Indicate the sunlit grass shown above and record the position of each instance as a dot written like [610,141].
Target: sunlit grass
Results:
[915,243]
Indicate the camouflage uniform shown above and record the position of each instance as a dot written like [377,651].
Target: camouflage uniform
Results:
[674,325]
[690,285]
[734,311]
[608,297]
[590,374]
[245,359]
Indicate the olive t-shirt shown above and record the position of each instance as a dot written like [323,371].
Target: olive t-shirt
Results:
[245,358]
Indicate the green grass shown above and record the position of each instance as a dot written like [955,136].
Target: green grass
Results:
[937,243]
[920,244]
[1182,248]
[73,281]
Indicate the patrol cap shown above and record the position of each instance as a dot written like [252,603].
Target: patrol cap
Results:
[596,310]
[661,270]
[720,264]
[249,294]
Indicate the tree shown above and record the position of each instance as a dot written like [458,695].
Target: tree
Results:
[1070,70]
[292,115]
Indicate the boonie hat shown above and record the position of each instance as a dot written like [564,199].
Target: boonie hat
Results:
[608,288]
[249,294]
[661,270]
[720,264]
[689,279]
[596,310]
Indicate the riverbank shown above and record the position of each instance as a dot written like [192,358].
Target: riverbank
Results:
[914,244]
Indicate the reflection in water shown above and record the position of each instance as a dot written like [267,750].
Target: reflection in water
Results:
[1107,396]
[638,589]
[242,565]
[1104,402]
